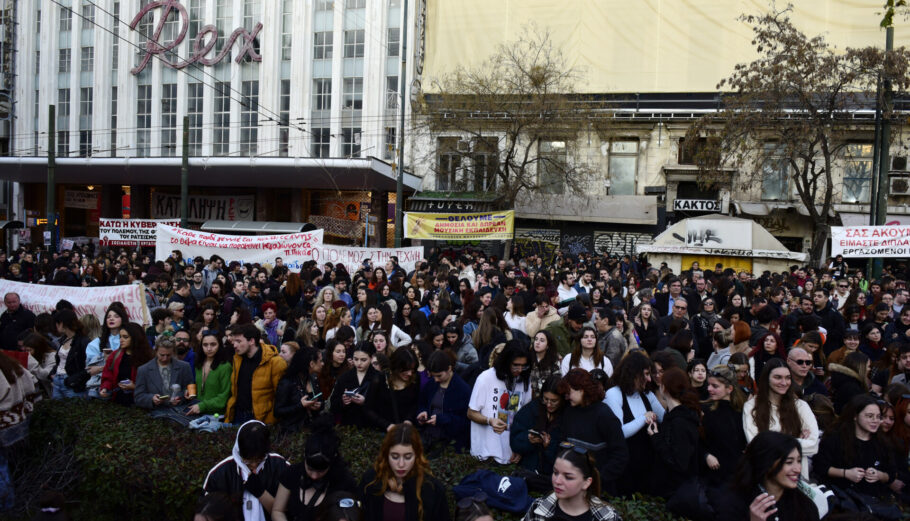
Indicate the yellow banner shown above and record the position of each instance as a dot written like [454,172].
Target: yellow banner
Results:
[460,226]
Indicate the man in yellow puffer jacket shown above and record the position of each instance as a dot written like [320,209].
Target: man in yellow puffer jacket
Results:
[254,378]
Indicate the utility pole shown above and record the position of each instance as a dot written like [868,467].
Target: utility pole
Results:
[884,161]
[402,91]
[51,165]
[185,174]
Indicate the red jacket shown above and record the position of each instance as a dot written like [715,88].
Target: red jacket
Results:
[111,368]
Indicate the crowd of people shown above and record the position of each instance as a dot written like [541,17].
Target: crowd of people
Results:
[598,376]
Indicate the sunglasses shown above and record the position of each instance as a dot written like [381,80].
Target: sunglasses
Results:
[801,362]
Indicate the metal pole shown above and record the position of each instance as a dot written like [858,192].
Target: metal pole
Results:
[185,174]
[877,143]
[884,161]
[51,165]
[402,91]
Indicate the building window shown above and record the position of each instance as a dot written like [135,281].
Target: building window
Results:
[321,145]
[113,121]
[353,93]
[66,19]
[63,122]
[485,160]
[85,121]
[144,121]
[287,23]
[222,119]
[194,111]
[553,159]
[394,44]
[63,60]
[858,173]
[325,5]
[284,114]
[355,4]
[169,119]
[322,94]
[322,45]
[448,164]
[249,118]
[88,59]
[171,30]
[350,142]
[623,161]
[194,10]
[390,143]
[88,16]
[391,92]
[705,149]
[353,43]
[775,182]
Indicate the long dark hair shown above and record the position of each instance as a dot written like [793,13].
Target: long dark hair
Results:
[763,458]
[845,428]
[588,467]
[222,356]
[790,422]
[597,357]
[11,369]
[117,308]
[678,386]
[550,356]
[550,385]
[503,365]
[139,344]
[630,370]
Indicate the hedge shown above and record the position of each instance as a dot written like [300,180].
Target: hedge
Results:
[129,466]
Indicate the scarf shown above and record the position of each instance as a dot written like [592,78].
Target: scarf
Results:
[271,331]
[257,513]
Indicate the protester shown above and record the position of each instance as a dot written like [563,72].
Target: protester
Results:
[118,380]
[443,406]
[213,375]
[675,440]
[257,368]
[160,382]
[723,438]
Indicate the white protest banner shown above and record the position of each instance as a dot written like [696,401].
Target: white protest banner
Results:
[870,241]
[40,298]
[203,208]
[130,232]
[293,248]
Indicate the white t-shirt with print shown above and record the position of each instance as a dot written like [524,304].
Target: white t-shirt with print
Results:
[491,398]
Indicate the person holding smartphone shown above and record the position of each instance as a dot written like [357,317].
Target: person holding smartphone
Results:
[298,399]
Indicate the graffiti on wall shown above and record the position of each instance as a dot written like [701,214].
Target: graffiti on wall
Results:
[543,243]
[619,243]
[575,243]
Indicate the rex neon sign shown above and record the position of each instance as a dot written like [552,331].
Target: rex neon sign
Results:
[201,46]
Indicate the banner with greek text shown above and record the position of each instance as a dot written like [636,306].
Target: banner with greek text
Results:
[41,298]
[294,249]
[870,241]
[203,208]
[130,232]
[461,226]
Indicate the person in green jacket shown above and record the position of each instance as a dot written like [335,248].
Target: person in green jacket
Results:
[213,376]
[568,329]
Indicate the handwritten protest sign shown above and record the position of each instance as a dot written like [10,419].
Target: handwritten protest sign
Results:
[40,298]
[130,232]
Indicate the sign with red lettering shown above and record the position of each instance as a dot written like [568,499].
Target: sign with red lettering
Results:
[870,241]
[42,298]
[130,232]
[201,46]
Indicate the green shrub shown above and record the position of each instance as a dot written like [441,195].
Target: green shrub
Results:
[131,466]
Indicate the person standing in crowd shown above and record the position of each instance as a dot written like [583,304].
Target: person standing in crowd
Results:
[567,330]
[646,328]
[849,379]
[257,368]
[775,407]
[443,405]
[675,441]
[251,472]
[71,375]
[576,490]
[14,321]
[586,354]
[536,432]
[723,438]
[298,399]
[632,401]
[359,393]
[544,360]
[400,485]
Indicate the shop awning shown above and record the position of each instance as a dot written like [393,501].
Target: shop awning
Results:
[267,172]
[761,209]
[266,227]
[626,209]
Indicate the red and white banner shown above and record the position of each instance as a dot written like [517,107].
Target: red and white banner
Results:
[294,249]
[40,298]
[130,232]
[870,241]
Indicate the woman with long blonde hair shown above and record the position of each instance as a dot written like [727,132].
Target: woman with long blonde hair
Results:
[400,485]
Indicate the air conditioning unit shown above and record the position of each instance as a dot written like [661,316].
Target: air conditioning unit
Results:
[899,163]
[463,146]
[899,185]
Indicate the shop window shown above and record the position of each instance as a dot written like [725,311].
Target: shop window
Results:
[623,166]
[857,173]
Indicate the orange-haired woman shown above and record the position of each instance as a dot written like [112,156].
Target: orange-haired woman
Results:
[400,486]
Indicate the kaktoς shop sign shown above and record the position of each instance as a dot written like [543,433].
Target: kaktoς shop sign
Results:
[870,241]
[696,205]
[130,232]
[201,46]
[462,226]
[205,208]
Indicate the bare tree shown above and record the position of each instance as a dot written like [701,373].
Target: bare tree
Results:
[794,107]
[492,128]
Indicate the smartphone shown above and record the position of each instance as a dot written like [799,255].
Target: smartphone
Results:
[164,397]
[316,397]
[350,393]
[126,382]
[535,433]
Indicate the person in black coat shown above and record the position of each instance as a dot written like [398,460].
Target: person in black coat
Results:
[14,321]
[848,379]
[448,422]
[298,399]
[589,423]
[723,438]
[539,449]
[361,395]
[676,293]
[391,486]
[675,441]
[831,320]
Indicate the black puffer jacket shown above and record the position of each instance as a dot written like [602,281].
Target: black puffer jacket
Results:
[845,384]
